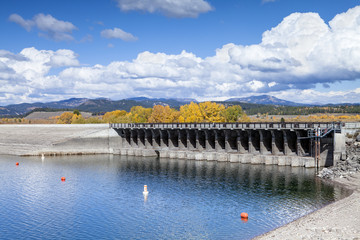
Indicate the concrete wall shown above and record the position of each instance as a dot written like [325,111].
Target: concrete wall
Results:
[350,128]
[37,139]
[339,147]
[327,152]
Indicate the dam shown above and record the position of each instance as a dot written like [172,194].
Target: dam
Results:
[293,144]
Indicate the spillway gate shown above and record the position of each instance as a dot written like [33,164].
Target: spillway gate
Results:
[189,140]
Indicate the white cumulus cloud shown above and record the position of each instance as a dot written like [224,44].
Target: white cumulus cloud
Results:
[47,25]
[303,50]
[118,33]
[293,57]
[24,76]
[169,8]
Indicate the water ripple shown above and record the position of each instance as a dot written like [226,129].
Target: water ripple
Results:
[102,198]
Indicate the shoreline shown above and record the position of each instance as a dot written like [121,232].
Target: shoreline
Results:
[337,220]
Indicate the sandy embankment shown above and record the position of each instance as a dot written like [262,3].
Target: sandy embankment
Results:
[32,139]
[339,220]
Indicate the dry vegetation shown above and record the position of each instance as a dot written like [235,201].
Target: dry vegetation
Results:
[307,118]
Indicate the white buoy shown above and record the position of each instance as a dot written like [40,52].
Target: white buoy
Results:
[42,157]
[145,197]
[145,192]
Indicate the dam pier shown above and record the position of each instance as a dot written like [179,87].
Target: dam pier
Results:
[293,144]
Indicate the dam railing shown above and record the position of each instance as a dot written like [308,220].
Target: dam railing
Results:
[239,126]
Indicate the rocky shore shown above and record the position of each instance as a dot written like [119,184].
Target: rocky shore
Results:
[339,220]
[347,167]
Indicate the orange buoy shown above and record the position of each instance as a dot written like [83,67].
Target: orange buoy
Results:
[63,179]
[244,215]
[17,164]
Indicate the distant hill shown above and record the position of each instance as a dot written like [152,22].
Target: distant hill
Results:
[265,99]
[69,103]
[23,108]
[99,105]
[252,105]
[244,105]
[138,99]
[183,100]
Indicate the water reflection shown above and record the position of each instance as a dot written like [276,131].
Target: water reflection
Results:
[272,178]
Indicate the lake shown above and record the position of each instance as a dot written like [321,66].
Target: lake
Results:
[102,198]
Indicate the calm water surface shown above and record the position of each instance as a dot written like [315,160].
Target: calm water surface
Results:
[102,198]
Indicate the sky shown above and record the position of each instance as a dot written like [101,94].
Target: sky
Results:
[303,51]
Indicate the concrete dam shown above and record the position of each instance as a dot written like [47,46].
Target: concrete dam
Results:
[293,144]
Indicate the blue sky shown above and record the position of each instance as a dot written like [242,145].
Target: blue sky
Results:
[303,51]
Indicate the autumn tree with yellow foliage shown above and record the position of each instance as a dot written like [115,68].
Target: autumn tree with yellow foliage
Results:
[163,114]
[202,112]
[77,119]
[71,118]
[116,116]
[190,113]
[140,114]
[211,112]
[65,118]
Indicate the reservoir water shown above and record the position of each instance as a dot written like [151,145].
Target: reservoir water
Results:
[102,198]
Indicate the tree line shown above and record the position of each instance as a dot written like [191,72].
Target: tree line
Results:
[287,110]
[193,112]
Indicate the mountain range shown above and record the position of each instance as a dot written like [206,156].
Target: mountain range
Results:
[265,99]
[102,105]
[99,105]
